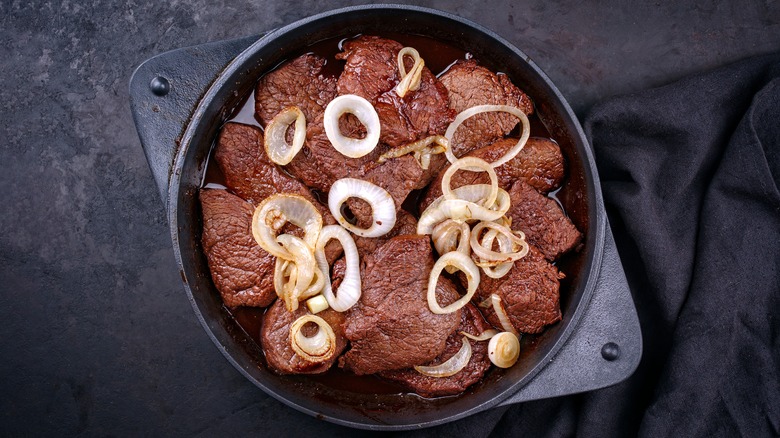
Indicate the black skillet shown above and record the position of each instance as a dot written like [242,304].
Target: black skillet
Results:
[181,98]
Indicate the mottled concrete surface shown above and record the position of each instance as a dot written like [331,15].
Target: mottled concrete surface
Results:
[97,335]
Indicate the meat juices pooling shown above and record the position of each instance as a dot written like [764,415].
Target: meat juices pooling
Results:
[530,290]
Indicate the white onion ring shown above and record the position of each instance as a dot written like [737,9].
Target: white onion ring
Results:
[451,366]
[505,244]
[350,288]
[504,349]
[276,146]
[486,253]
[484,336]
[449,236]
[465,265]
[365,112]
[503,318]
[472,164]
[382,205]
[464,208]
[318,348]
[465,114]
[409,81]
[275,211]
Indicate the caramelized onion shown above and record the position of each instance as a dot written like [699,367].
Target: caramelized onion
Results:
[493,269]
[423,149]
[483,250]
[464,208]
[472,164]
[465,114]
[504,349]
[350,288]
[465,265]
[365,112]
[484,336]
[410,81]
[275,211]
[317,348]
[451,366]
[276,146]
[382,205]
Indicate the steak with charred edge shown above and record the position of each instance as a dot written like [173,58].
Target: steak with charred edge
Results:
[391,327]
[542,220]
[540,164]
[298,82]
[529,294]
[240,269]
[275,339]
[472,323]
[371,71]
[470,84]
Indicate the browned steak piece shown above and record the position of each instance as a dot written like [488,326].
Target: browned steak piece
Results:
[471,322]
[391,327]
[319,165]
[371,71]
[241,270]
[470,84]
[529,294]
[545,225]
[298,82]
[540,164]
[275,340]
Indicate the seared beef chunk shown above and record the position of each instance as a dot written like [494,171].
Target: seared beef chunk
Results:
[541,219]
[471,322]
[529,294]
[539,163]
[391,326]
[470,84]
[241,270]
[298,82]
[371,71]
[275,339]
[319,165]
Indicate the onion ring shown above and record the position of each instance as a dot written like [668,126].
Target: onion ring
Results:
[275,142]
[382,205]
[350,289]
[465,114]
[317,348]
[365,112]
[472,164]
[486,253]
[465,265]
[451,366]
[275,211]
[464,208]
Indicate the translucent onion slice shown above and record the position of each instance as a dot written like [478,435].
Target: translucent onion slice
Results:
[465,114]
[423,149]
[465,265]
[382,205]
[317,348]
[504,349]
[365,112]
[350,288]
[472,164]
[451,366]
[275,211]
[449,236]
[464,208]
[283,271]
[410,81]
[484,336]
[503,318]
[493,269]
[276,146]
[485,252]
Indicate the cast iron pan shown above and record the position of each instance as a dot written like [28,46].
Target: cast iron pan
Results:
[181,98]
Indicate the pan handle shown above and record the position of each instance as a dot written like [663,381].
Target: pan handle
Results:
[606,346]
[164,92]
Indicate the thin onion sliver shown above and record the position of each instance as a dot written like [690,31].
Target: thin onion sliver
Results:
[451,366]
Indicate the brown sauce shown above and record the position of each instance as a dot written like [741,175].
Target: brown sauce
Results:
[438,58]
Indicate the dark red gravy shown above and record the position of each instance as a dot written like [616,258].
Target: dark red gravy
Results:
[438,57]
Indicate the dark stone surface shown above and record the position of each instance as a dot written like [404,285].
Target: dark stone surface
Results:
[97,334]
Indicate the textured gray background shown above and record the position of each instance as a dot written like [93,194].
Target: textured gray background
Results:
[96,334]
